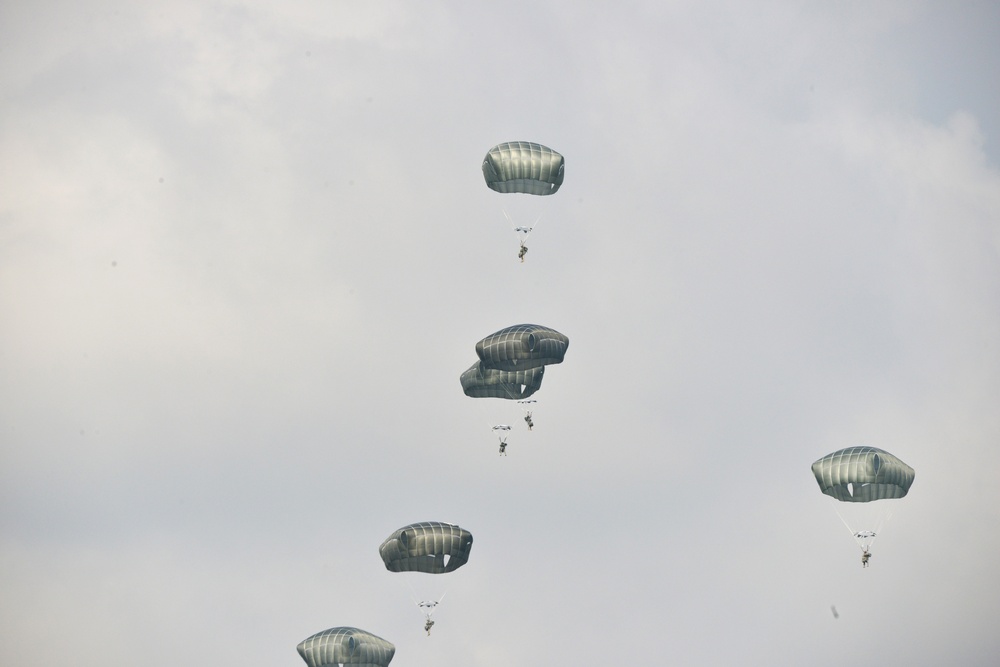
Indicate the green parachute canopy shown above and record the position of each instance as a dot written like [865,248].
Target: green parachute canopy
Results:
[522,346]
[481,382]
[862,474]
[512,362]
[346,646]
[523,166]
[433,547]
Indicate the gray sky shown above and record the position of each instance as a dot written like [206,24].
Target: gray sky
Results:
[246,251]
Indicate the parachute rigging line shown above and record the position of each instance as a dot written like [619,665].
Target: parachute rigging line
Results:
[482,377]
[423,604]
[883,516]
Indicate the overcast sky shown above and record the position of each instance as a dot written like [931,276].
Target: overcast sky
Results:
[246,250]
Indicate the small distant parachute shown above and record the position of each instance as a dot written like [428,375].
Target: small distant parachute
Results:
[522,346]
[859,477]
[433,547]
[523,166]
[346,646]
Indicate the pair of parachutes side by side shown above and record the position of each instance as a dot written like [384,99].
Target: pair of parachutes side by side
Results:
[863,474]
[512,362]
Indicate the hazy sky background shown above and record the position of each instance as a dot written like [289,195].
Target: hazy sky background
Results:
[246,250]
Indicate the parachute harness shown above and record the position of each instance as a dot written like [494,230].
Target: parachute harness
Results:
[426,607]
[512,397]
[866,538]
[522,234]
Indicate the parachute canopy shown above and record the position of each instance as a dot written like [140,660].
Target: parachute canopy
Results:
[429,546]
[523,166]
[346,646]
[862,474]
[512,362]
[481,382]
[522,346]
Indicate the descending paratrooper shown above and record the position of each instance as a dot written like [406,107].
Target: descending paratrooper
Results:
[523,167]
[427,547]
[865,477]
[511,365]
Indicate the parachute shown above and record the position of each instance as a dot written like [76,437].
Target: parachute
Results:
[481,382]
[523,166]
[427,547]
[861,476]
[346,646]
[522,346]
[512,364]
